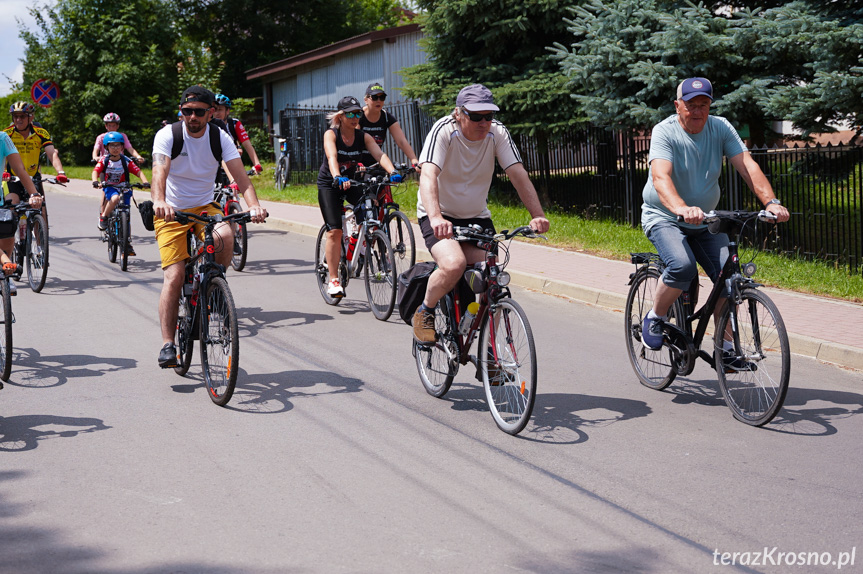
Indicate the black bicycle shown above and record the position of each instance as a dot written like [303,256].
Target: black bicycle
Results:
[31,245]
[207,311]
[365,248]
[282,175]
[227,198]
[7,319]
[753,374]
[396,224]
[118,226]
[506,354]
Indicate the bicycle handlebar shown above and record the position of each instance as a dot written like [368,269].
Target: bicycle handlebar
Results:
[185,216]
[474,232]
[714,215]
[122,185]
[37,177]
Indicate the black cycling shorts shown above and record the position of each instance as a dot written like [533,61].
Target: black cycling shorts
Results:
[331,201]
[18,189]
[428,232]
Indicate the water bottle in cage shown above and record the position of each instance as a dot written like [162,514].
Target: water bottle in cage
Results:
[22,228]
[350,223]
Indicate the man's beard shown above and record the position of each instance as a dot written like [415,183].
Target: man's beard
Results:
[195,129]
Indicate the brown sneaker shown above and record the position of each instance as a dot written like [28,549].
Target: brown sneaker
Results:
[423,322]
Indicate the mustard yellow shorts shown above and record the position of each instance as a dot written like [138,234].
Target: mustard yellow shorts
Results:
[171,236]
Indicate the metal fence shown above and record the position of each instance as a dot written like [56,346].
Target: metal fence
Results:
[601,173]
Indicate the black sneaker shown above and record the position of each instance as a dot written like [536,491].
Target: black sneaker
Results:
[735,364]
[168,356]
[130,251]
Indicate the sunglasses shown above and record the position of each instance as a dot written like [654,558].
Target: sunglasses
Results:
[475,117]
[199,112]
[378,98]
[353,114]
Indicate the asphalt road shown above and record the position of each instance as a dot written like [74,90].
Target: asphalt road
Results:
[332,458]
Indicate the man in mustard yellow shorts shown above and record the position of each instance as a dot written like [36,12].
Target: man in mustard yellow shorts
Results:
[184,180]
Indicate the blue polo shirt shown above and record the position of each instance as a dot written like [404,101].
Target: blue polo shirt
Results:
[696,165]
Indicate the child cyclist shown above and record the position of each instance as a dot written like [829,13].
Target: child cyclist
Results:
[111,169]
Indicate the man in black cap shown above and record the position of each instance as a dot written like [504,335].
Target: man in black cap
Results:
[457,168]
[185,159]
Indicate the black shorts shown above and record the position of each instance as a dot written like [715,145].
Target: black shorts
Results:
[18,189]
[428,232]
[331,201]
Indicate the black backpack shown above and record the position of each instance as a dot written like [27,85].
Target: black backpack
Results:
[215,144]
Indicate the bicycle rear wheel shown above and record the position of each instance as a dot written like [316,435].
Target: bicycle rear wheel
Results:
[507,364]
[185,342]
[219,340]
[112,238]
[281,176]
[241,240]
[322,275]
[380,276]
[37,254]
[754,383]
[437,363]
[401,235]
[6,339]
[655,369]
[124,240]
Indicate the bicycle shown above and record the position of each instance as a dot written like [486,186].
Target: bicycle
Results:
[283,167]
[31,244]
[396,224]
[207,311]
[754,375]
[508,370]
[364,248]
[8,319]
[228,199]
[118,226]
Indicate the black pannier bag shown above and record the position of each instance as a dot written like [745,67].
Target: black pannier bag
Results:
[412,289]
[146,209]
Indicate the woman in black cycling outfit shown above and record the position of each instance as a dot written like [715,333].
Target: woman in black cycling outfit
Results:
[376,121]
[345,143]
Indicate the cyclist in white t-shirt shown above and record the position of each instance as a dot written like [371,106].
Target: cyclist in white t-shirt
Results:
[457,168]
[186,183]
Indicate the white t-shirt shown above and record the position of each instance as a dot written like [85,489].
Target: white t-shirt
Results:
[466,166]
[191,180]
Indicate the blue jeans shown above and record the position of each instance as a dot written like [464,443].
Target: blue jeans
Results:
[681,248]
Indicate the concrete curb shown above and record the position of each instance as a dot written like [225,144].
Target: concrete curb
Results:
[825,351]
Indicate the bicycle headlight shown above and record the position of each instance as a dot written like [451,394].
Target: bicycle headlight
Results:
[748,269]
[503,278]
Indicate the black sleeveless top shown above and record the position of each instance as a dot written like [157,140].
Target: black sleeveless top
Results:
[378,130]
[348,156]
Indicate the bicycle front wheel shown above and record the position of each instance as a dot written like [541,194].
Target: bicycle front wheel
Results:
[322,274]
[241,240]
[281,173]
[219,341]
[124,240]
[380,275]
[507,364]
[655,369]
[185,341]
[37,253]
[401,235]
[755,382]
[112,239]
[6,341]
[437,363]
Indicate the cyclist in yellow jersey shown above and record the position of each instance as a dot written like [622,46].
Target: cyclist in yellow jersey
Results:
[30,141]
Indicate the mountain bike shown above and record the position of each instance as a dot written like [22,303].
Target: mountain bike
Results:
[506,354]
[282,176]
[228,198]
[207,311]
[118,226]
[753,376]
[31,245]
[365,247]
[396,224]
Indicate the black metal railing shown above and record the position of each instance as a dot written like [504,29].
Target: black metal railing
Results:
[600,173]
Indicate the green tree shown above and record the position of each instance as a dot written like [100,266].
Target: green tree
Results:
[796,60]
[248,33]
[106,57]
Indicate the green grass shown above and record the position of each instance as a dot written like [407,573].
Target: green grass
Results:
[601,238]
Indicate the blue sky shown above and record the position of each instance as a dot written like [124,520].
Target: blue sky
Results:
[13,47]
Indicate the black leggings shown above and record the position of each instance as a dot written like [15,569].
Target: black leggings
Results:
[331,201]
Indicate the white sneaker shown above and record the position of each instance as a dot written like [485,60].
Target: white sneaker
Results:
[334,289]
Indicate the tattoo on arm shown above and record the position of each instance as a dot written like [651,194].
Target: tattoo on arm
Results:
[160,159]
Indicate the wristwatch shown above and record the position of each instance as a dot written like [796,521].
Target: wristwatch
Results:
[773,201]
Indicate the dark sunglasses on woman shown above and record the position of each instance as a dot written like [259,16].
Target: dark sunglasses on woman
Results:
[378,98]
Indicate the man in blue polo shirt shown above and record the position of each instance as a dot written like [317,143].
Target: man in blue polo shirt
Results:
[686,152]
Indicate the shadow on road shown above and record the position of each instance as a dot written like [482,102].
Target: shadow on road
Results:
[20,433]
[56,286]
[813,412]
[32,369]
[275,392]
[254,319]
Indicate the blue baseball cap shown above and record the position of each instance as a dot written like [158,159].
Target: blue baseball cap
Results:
[692,87]
[476,98]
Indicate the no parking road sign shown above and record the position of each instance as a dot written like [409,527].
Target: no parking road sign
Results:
[44,92]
